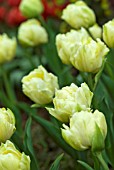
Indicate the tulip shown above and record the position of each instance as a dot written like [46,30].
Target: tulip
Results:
[7,48]
[79,15]
[96,31]
[39,85]
[14,17]
[7,124]
[87,131]
[31,33]
[108,33]
[31,8]
[89,56]
[12,159]
[65,42]
[70,99]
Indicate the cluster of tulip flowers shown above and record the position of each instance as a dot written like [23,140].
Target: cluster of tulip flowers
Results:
[84,47]
[12,16]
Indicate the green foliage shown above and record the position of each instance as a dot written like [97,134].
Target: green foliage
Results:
[85,165]
[101,84]
[28,145]
[56,163]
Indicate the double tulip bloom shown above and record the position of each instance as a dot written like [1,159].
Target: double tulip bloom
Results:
[96,31]
[31,8]
[7,48]
[84,129]
[70,99]
[31,33]
[87,131]
[88,57]
[79,15]
[80,50]
[7,124]
[39,85]
[65,42]
[108,33]
[11,158]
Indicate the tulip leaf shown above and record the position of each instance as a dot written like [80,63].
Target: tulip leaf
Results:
[29,146]
[50,51]
[41,106]
[85,165]
[109,84]
[103,101]
[36,105]
[56,163]
[109,66]
[53,60]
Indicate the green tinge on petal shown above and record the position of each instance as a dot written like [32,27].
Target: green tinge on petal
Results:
[98,140]
[61,116]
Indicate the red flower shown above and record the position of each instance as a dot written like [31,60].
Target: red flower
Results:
[14,17]
[13,2]
[2,13]
[52,8]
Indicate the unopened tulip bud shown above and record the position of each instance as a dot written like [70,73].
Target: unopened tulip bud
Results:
[79,15]
[39,85]
[12,159]
[96,31]
[108,33]
[31,8]
[7,48]
[84,128]
[7,124]
[31,33]
[70,99]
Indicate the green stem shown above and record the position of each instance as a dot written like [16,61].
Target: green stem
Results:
[7,85]
[38,51]
[10,99]
[3,97]
[101,160]
[98,75]
[40,18]
[90,81]
[29,56]
[96,163]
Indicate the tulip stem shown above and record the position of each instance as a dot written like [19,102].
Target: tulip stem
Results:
[29,56]
[96,162]
[7,85]
[98,75]
[10,99]
[101,160]
[90,81]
